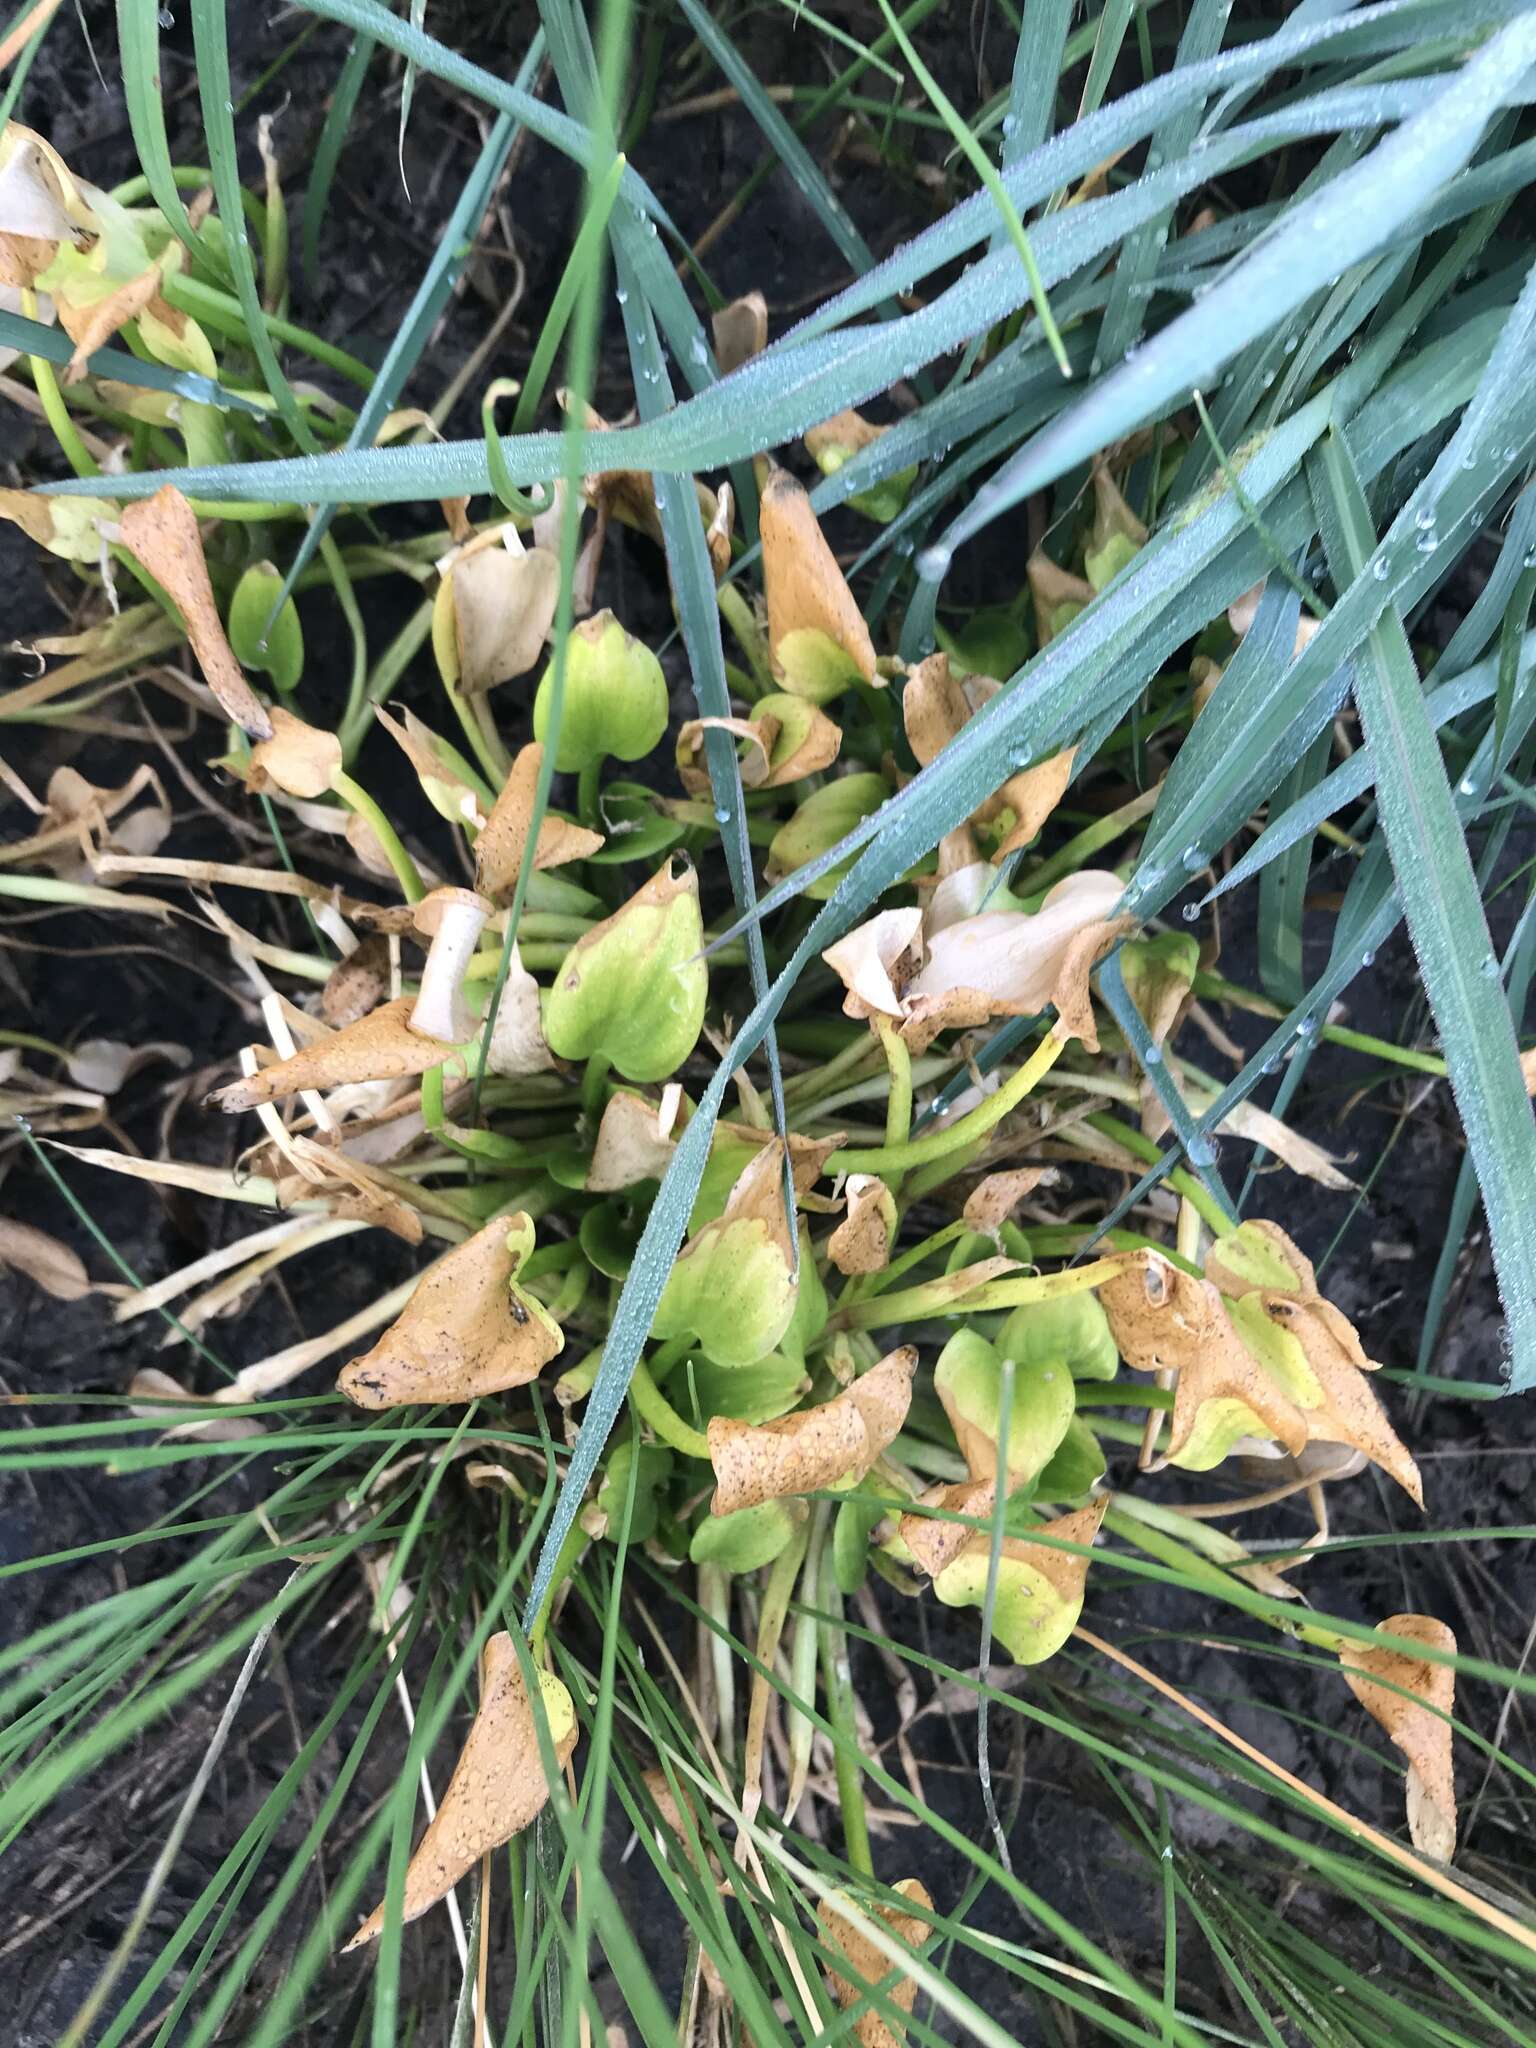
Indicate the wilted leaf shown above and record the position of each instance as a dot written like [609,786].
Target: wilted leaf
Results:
[299,759]
[936,703]
[104,1064]
[817,639]
[1058,596]
[831,1445]
[499,848]
[518,1045]
[634,1142]
[861,1243]
[1039,1588]
[161,533]
[931,1540]
[357,984]
[67,527]
[443,786]
[995,1197]
[868,1966]
[498,1785]
[502,603]
[467,1330]
[379,1047]
[1419,1724]
[740,331]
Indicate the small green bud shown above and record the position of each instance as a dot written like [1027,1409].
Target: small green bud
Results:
[749,1538]
[1070,1329]
[282,655]
[634,987]
[827,815]
[615,697]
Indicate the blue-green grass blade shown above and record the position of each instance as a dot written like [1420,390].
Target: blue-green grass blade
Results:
[1448,928]
[17,331]
[1477,630]
[1357,213]
[1283,885]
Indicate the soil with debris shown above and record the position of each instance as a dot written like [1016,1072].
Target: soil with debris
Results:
[68,1888]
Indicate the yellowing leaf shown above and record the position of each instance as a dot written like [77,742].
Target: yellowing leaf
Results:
[1418,1723]
[467,1330]
[161,533]
[935,704]
[817,639]
[1039,1588]
[498,1785]
[869,1966]
[831,1445]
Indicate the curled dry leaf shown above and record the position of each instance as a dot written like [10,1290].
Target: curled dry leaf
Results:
[1241,615]
[817,639]
[499,848]
[518,1045]
[1166,1320]
[740,331]
[498,1785]
[161,533]
[299,759]
[379,1047]
[1071,991]
[861,1243]
[634,1142]
[1039,1592]
[502,598]
[993,1199]
[756,734]
[441,783]
[1416,1716]
[869,1966]
[932,1541]
[467,1330]
[150,1389]
[831,1445]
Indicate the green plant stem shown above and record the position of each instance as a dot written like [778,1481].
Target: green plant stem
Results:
[57,412]
[653,1407]
[736,610]
[357,798]
[589,793]
[387,671]
[838,1688]
[346,597]
[974,1124]
[221,311]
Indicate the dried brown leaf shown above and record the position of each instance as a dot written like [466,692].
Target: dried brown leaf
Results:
[831,1445]
[503,608]
[993,1200]
[499,848]
[740,331]
[301,760]
[498,1785]
[870,1966]
[379,1047]
[161,533]
[861,1243]
[467,1330]
[47,1263]
[805,589]
[1414,1723]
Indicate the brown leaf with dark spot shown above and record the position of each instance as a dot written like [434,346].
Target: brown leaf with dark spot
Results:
[467,1330]
[861,1243]
[379,1047]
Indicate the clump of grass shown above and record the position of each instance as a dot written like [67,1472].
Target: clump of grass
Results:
[807,1125]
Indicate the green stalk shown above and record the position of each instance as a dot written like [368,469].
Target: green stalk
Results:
[358,799]
[653,1407]
[974,1124]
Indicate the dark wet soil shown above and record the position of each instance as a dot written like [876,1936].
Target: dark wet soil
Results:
[67,1890]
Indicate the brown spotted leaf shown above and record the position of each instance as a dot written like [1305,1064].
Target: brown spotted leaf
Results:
[499,849]
[831,1445]
[467,1330]
[817,639]
[861,1243]
[379,1047]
